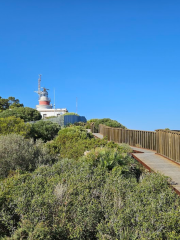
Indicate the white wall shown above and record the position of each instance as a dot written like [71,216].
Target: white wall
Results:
[51,113]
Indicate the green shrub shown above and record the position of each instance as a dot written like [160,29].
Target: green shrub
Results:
[46,130]
[70,113]
[110,158]
[89,122]
[51,117]
[25,113]
[74,133]
[64,198]
[147,210]
[93,120]
[16,152]
[79,200]
[72,142]
[98,194]
[108,122]
[14,125]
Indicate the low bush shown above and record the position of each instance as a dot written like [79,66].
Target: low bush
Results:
[108,122]
[72,142]
[71,113]
[105,121]
[51,117]
[73,133]
[16,152]
[110,158]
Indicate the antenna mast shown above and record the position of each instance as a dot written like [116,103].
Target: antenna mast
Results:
[39,86]
[76,105]
[54,101]
[39,83]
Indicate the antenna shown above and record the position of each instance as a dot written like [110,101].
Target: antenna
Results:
[76,105]
[54,102]
[39,86]
[39,83]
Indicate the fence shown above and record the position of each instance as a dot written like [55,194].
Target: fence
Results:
[64,120]
[94,129]
[168,144]
[164,142]
[144,139]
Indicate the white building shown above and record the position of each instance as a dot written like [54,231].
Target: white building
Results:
[52,112]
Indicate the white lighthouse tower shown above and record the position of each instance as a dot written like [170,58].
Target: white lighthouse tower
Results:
[44,101]
[44,107]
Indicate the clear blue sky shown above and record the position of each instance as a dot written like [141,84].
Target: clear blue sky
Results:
[120,58]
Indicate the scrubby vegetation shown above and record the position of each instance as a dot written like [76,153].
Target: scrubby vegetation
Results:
[106,121]
[45,130]
[25,113]
[18,153]
[71,113]
[12,124]
[72,142]
[96,197]
[79,187]
[51,117]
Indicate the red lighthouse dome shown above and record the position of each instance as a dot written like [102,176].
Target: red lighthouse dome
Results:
[44,101]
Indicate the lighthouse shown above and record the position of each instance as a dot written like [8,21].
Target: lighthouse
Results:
[44,107]
[44,100]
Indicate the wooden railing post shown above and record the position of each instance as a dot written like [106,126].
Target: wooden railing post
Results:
[92,127]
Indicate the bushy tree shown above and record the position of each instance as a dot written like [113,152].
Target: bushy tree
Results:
[14,125]
[25,113]
[4,104]
[14,102]
[16,152]
[46,130]
[10,102]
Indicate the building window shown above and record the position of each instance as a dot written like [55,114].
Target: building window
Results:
[44,116]
[58,115]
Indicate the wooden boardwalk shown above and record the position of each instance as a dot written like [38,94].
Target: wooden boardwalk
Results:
[156,163]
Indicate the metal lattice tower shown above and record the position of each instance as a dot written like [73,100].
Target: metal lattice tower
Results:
[39,83]
[39,86]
